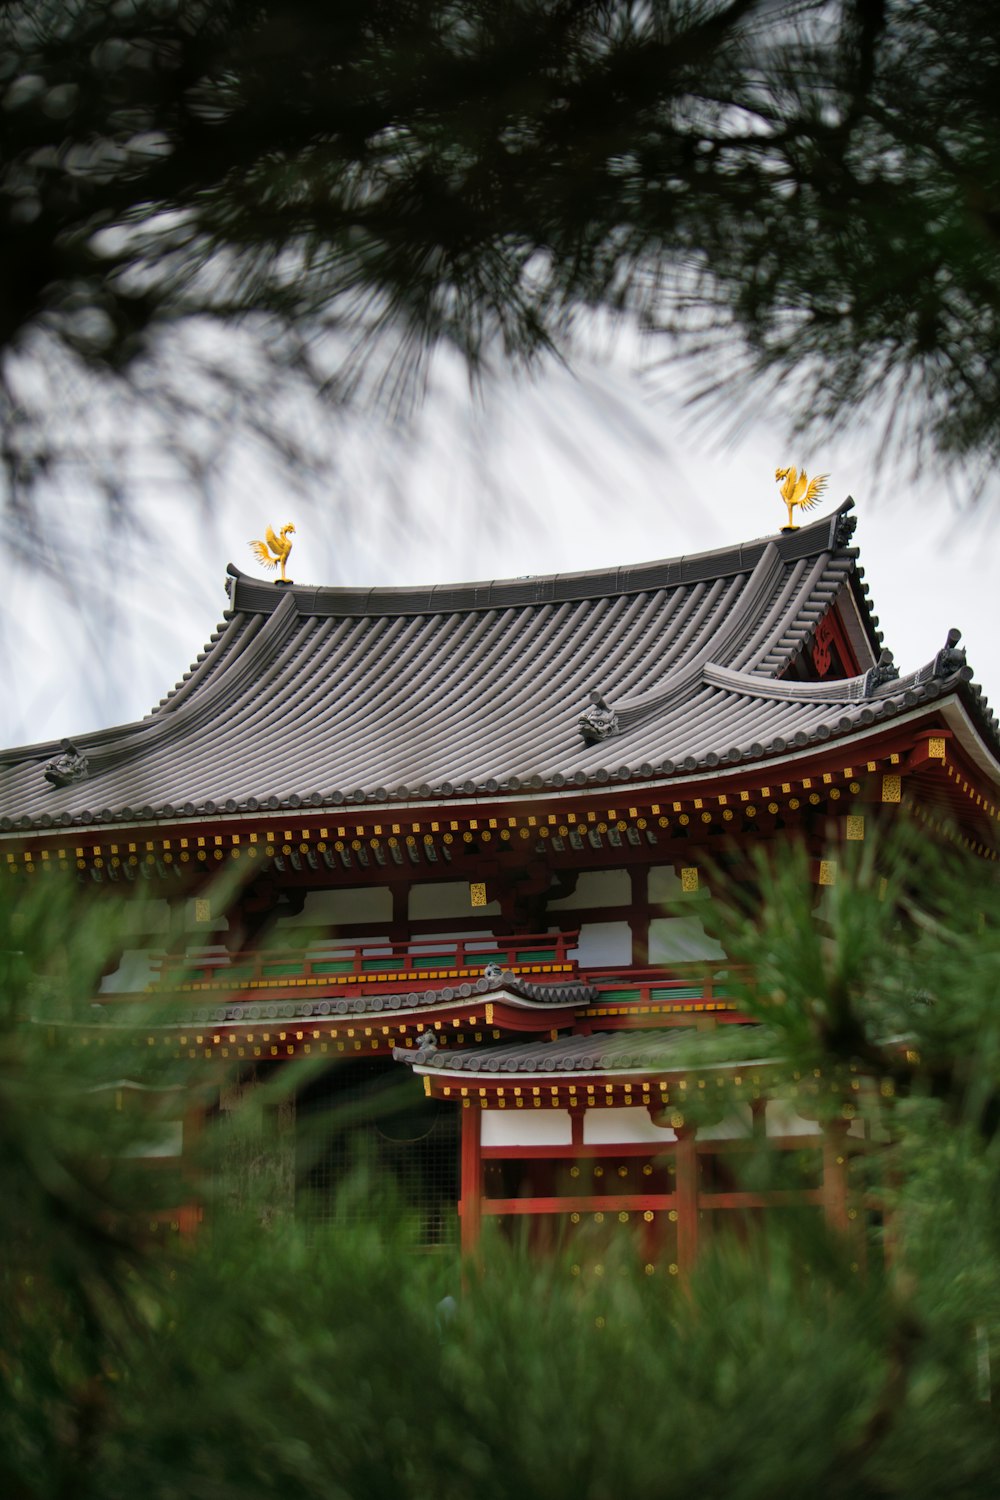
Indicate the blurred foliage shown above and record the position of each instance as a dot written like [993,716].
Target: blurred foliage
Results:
[816,182]
[889,973]
[286,1360]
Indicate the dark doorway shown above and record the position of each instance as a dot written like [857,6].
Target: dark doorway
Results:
[369,1140]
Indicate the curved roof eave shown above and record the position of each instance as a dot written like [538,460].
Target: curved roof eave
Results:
[288,709]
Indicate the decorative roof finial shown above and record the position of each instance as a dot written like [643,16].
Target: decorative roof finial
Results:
[799,490]
[599,721]
[72,765]
[951,657]
[845,525]
[279,545]
[425,1049]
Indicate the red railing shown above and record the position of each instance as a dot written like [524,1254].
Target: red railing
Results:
[368,963]
[707,983]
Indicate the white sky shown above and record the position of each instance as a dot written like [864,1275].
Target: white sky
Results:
[567,471]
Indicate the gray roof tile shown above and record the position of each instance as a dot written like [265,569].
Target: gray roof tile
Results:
[601,1052]
[507,986]
[325,697]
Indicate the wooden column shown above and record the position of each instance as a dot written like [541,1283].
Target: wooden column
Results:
[470,1199]
[758,1115]
[835,1176]
[639,920]
[686,1162]
[188,1214]
[399,929]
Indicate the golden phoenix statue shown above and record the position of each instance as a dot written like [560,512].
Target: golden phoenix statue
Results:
[799,490]
[274,549]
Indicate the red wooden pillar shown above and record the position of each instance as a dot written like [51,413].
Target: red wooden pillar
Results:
[188,1214]
[835,1176]
[639,920]
[686,1163]
[470,1198]
[576,1116]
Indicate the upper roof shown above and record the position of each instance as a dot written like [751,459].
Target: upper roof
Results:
[315,696]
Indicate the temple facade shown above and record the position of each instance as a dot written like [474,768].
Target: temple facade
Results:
[458,842]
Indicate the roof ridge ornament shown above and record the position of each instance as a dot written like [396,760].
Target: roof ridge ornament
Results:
[798,490]
[951,657]
[845,524]
[884,670]
[599,721]
[72,765]
[279,546]
[422,1054]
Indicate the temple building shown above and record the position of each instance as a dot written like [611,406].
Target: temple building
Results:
[474,828]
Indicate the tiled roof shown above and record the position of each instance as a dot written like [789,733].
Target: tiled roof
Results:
[325,697]
[602,1052]
[520,993]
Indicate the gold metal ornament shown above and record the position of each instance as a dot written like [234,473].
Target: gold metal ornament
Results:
[799,490]
[274,549]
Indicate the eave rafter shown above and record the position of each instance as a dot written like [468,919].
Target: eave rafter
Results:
[274,1040]
[676,1096]
[632,822]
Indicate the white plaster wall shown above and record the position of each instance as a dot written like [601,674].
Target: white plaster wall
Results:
[334,947]
[664,883]
[675,940]
[133,973]
[483,937]
[782,1119]
[366,903]
[167,1141]
[737,1125]
[429,942]
[447,898]
[621,1127]
[603,943]
[597,888]
[526,1127]
[148,914]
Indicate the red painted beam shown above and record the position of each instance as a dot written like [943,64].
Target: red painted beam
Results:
[612,1204]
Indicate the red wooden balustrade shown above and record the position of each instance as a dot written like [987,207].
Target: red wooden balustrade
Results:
[707,982]
[423,963]
[373,962]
